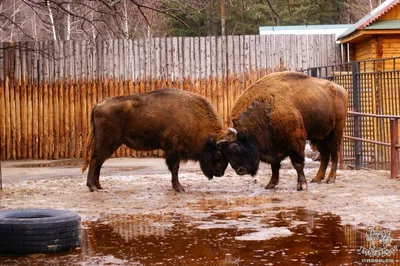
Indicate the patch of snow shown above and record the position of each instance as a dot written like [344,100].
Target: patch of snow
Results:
[265,234]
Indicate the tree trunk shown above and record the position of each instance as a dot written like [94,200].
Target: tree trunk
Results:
[223,18]
[53,27]
[68,35]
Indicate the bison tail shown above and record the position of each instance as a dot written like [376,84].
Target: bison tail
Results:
[89,145]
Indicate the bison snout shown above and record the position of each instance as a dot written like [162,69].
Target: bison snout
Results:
[219,174]
[241,171]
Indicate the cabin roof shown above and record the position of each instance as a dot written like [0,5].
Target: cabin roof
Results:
[370,20]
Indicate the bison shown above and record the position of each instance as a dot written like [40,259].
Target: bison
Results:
[184,125]
[275,116]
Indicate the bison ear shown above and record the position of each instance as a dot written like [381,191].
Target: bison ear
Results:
[211,140]
[243,134]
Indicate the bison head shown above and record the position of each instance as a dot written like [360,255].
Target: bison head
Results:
[241,152]
[213,163]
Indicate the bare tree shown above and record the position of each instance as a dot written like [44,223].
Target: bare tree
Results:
[83,19]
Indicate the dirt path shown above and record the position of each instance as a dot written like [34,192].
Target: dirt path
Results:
[363,198]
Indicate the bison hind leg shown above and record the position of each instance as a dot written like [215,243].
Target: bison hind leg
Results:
[173,162]
[102,152]
[298,164]
[325,155]
[332,174]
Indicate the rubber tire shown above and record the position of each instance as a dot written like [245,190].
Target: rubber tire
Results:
[38,231]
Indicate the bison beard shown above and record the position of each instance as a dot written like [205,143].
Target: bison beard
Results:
[277,114]
[184,125]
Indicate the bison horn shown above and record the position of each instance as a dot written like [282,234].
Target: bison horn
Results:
[231,129]
[232,134]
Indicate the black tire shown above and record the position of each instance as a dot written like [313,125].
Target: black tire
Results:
[38,231]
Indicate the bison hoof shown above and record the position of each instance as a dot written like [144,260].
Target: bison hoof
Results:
[330,180]
[178,188]
[315,180]
[270,186]
[92,188]
[301,186]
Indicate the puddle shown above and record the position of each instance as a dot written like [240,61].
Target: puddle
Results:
[267,236]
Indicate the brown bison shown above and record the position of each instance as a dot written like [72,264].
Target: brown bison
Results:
[184,125]
[275,116]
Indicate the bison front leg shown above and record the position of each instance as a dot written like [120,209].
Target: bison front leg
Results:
[173,162]
[275,175]
[298,164]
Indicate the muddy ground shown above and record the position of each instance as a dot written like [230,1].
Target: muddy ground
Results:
[142,186]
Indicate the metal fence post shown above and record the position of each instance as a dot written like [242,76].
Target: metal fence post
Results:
[394,153]
[357,118]
[314,72]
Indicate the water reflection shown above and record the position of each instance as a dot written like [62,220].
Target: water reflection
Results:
[170,239]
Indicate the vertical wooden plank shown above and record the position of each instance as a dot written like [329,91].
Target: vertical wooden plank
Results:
[303,46]
[218,74]
[186,58]
[81,58]
[251,52]
[136,60]
[169,60]
[235,54]
[195,63]
[157,59]
[202,64]
[74,52]
[262,56]
[44,94]
[50,84]
[11,56]
[40,101]
[181,58]
[310,54]
[241,57]
[230,72]
[2,107]
[7,111]
[34,106]
[29,81]
[2,62]
[225,94]
[17,89]
[62,107]
[7,121]
[57,78]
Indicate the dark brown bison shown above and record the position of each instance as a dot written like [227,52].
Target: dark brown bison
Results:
[183,124]
[275,116]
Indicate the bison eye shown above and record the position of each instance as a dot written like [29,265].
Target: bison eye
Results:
[217,155]
[234,148]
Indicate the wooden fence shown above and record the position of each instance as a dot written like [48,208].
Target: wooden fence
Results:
[47,89]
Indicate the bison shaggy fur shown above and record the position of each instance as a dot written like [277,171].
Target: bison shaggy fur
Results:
[184,125]
[275,116]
